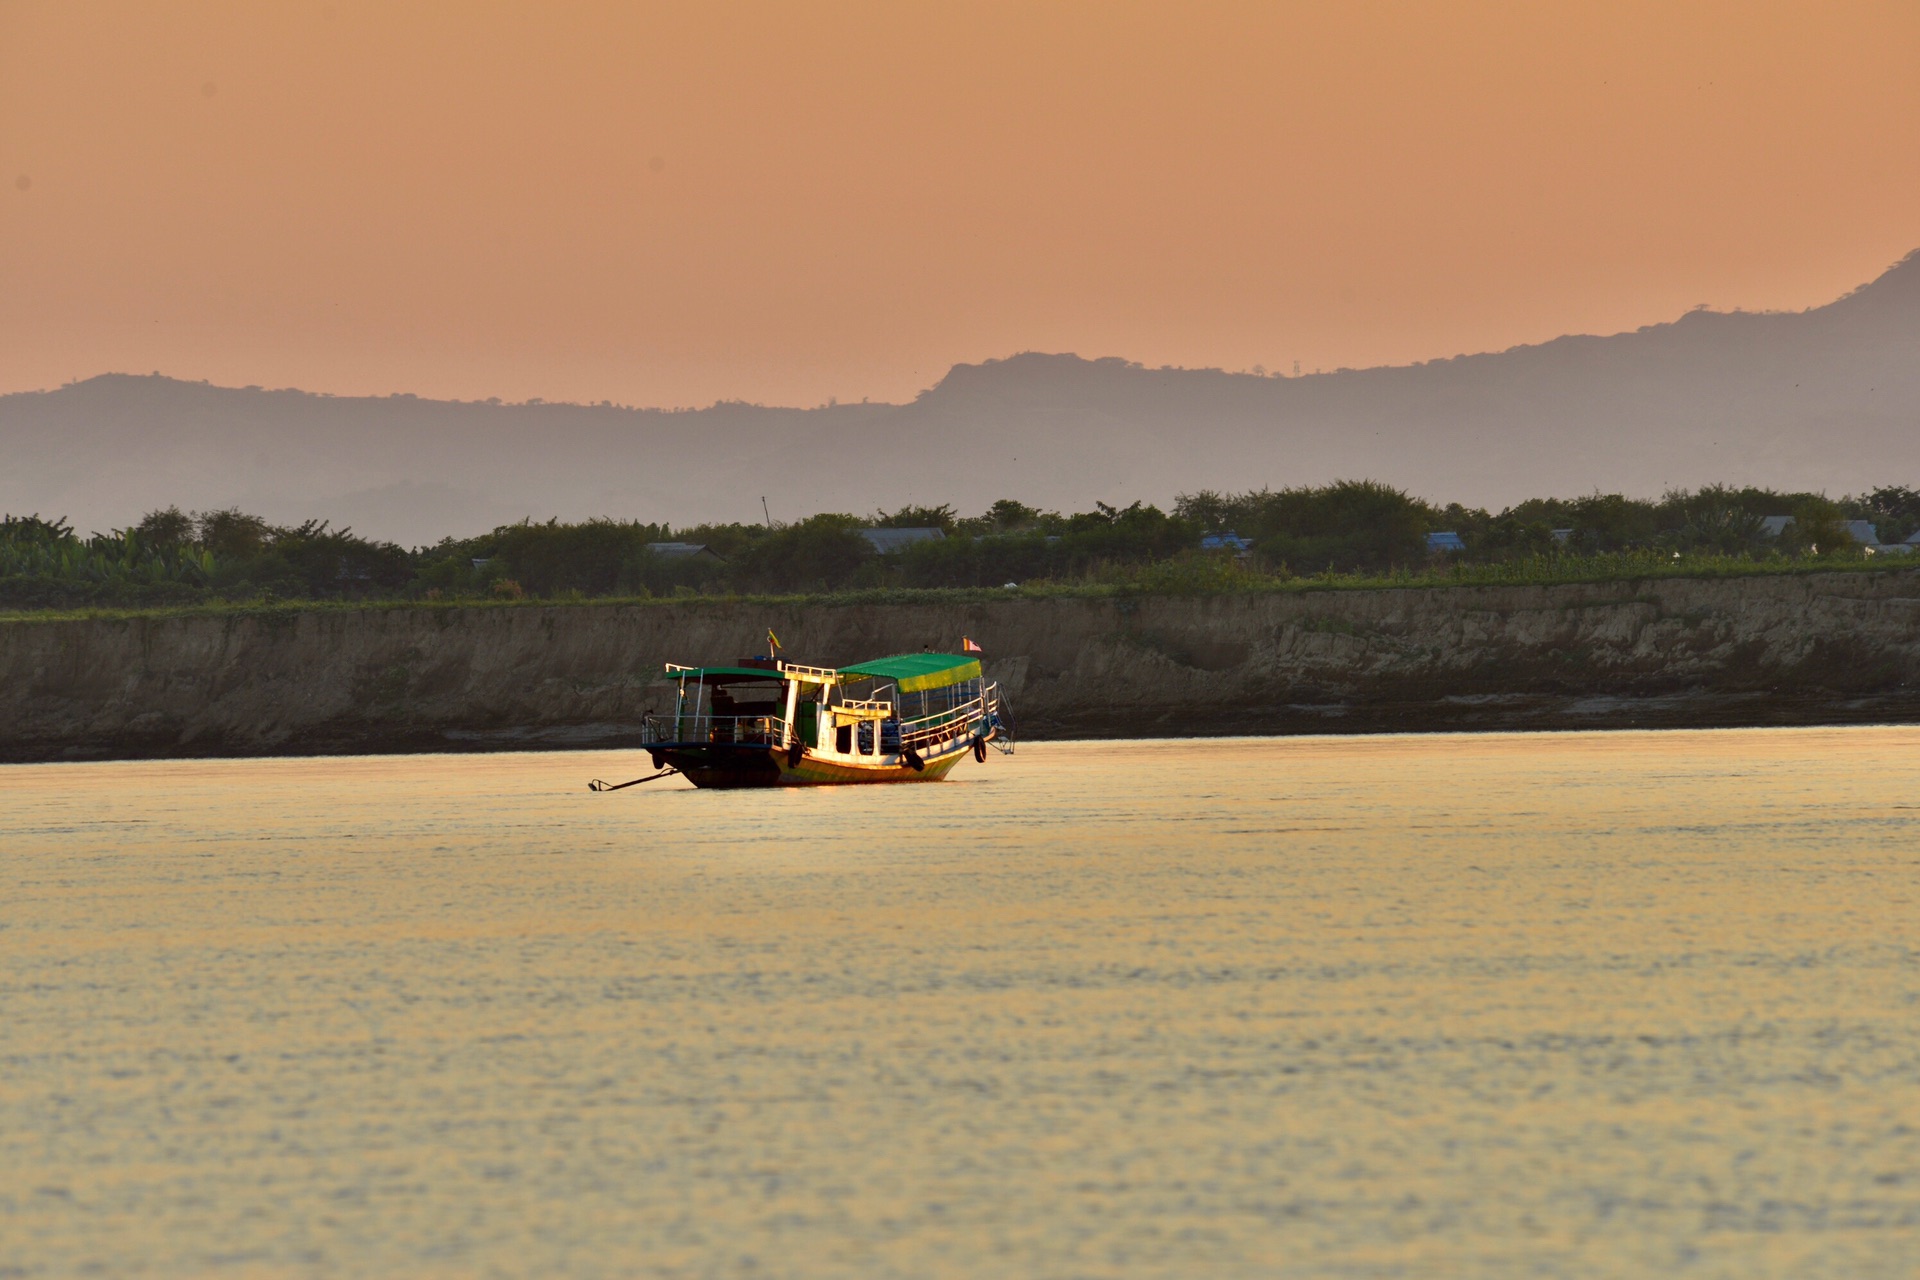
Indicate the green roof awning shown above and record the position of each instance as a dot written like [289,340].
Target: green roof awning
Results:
[915,672]
[719,674]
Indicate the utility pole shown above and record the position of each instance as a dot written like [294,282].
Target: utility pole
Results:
[764,513]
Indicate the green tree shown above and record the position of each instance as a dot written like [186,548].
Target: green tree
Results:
[820,553]
[940,517]
[171,527]
[231,534]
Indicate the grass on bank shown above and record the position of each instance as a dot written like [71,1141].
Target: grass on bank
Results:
[1211,576]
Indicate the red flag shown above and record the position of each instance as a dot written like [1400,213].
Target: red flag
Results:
[968,646]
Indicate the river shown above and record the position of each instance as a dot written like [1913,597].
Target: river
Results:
[1587,1003]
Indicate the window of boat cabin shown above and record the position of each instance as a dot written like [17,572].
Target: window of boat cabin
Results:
[749,697]
[843,739]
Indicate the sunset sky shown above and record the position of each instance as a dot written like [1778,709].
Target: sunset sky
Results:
[672,204]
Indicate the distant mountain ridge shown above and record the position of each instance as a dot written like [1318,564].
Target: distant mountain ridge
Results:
[1827,398]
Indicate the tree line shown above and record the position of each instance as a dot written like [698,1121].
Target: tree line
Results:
[1350,527]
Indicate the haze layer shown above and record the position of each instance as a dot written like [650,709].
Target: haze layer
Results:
[1824,399]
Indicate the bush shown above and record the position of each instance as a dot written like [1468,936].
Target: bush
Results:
[821,553]
[1347,526]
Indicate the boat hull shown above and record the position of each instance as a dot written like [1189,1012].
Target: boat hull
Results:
[726,766]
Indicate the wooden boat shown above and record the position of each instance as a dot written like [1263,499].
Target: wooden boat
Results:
[766,722]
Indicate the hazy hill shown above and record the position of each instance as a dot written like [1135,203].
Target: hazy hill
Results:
[1825,399]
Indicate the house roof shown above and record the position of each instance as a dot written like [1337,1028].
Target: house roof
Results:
[682,550]
[1447,541]
[1858,530]
[914,672]
[888,540]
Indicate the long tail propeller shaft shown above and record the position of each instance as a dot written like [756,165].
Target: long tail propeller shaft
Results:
[598,785]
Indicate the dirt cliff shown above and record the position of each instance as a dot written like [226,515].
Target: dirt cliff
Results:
[1818,648]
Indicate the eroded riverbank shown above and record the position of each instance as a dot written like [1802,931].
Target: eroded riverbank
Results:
[1792,649]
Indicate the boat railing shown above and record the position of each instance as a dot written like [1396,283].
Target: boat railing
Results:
[926,733]
[937,728]
[762,730]
[882,705]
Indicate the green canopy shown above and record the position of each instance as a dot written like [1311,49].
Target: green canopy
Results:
[915,672]
[720,674]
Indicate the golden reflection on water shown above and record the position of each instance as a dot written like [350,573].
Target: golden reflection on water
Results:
[1629,1003]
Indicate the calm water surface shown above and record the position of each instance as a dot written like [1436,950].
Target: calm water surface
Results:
[1584,1004]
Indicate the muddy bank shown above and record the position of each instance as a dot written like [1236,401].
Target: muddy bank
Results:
[1809,649]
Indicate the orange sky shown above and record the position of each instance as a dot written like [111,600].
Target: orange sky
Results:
[669,204]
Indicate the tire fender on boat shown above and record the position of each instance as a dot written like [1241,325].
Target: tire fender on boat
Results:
[980,749]
[913,760]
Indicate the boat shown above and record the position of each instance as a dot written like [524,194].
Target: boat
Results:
[767,722]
